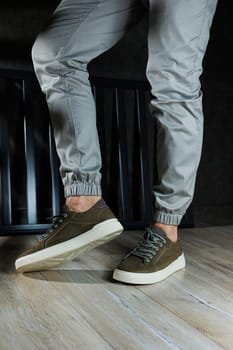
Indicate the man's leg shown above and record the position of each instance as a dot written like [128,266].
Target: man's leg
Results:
[178,36]
[78,31]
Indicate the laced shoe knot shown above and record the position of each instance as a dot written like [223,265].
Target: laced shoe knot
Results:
[149,246]
[57,220]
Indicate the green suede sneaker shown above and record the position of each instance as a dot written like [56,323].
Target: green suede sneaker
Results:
[71,234]
[154,259]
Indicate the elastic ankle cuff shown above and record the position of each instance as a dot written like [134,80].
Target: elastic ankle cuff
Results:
[82,189]
[168,219]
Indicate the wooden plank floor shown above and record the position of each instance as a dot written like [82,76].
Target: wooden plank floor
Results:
[78,306]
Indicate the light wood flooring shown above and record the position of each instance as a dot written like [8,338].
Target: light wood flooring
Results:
[78,306]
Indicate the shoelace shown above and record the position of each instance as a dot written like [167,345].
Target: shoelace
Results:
[148,247]
[57,220]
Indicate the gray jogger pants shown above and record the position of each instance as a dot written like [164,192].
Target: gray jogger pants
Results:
[79,31]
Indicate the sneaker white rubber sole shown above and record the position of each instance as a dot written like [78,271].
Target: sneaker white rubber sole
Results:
[60,253]
[151,277]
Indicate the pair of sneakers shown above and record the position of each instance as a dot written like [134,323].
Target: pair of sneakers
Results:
[154,258]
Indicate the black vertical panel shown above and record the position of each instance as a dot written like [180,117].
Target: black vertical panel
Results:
[5,168]
[113,184]
[122,152]
[146,188]
[29,143]
[55,176]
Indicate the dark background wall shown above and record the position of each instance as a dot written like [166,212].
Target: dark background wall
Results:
[213,202]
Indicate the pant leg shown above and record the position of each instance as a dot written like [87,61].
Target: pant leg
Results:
[78,31]
[178,36]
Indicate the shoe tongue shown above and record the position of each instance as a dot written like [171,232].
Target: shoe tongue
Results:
[100,204]
[158,231]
